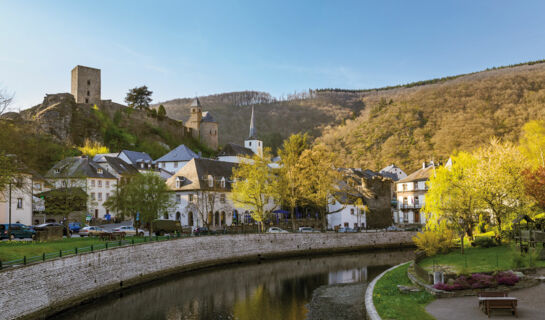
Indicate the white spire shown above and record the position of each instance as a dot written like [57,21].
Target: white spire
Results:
[252,126]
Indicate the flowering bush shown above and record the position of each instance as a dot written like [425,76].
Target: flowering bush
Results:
[479,281]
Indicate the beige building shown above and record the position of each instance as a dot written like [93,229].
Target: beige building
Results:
[21,201]
[86,85]
[411,196]
[203,126]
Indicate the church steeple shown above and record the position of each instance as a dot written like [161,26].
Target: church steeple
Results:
[252,142]
[253,135]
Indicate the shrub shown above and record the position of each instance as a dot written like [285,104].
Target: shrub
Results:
[479,281]
[432,242]
[507,278]
[518,261]
[484,242]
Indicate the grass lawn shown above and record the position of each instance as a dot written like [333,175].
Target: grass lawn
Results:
[392,304]
[11,250]
[482,259]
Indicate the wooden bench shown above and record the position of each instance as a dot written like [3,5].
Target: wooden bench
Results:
[490,303]
[485,294]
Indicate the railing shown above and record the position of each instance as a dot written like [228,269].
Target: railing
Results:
[410,206]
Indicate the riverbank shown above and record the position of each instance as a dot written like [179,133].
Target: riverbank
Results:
[32,291]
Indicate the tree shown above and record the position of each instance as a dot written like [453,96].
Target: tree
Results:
[499,182]
[452,196]
[255,186]
[534,184]
[205,204]
[5,101]
[290,175]
[7,170]
[92,148]
[532,142]
[161,112]
[146,194]
[65,200]
[139,97]
[121,201]
[320,177]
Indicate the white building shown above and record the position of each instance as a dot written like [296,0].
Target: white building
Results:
[236,154]
[21,200]
[176,159]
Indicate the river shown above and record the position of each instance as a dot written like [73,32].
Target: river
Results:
[278,289]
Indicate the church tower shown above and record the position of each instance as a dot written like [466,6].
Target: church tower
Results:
[195,118]
[252,142]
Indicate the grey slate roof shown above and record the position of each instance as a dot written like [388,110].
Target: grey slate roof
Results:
[180,153]
[196,103]
[207,117]
[393,172]
[232,149]
[419,175]
[120,166]
[100,156]
[194,175]
[136,156]
[78,168]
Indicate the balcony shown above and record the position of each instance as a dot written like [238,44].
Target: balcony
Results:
[410,206]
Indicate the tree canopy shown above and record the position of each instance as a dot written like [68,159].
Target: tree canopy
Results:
[139,97]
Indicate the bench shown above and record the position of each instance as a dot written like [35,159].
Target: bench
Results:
[112,236]
[490,303]
[489,294]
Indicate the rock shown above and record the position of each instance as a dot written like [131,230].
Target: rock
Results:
[407,289]
[338,302]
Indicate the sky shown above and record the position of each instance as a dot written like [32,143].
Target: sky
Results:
[188,48]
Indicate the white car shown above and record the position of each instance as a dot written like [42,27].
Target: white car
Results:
[307,229]
[276,230]
[129,231]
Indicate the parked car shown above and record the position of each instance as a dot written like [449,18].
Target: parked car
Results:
[129,231]
[394,228]
[74,227]
[160,227]
[201,230]
[17,230]
[91,231]
[44,226]
[307,229]
[346,230]
[276,230]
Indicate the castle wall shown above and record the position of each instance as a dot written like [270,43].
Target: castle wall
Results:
[209,134]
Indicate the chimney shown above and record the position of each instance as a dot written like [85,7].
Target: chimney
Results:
[424,165]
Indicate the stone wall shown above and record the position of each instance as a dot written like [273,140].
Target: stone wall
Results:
[42,289]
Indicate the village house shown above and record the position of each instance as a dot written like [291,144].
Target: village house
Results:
[362,200]
[20,192]
[176,159]
[411,194]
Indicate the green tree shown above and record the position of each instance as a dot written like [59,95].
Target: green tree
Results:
[316,165]
[65,200]
[121,201]
[139,97]
[452,196]
[290,175]
[146,194]
[255,186]
[7,171]
[532,142]
[161,112]
[499,182]
[534,184]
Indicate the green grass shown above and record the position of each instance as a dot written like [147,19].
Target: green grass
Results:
[481,260]
[392,304]
[11,250]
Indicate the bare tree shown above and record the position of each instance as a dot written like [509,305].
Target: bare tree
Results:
[5,100]
[206,203]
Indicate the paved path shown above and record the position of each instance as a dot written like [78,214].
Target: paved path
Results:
[530,306]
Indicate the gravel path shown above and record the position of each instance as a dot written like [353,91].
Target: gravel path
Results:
[338,302]
[530,306]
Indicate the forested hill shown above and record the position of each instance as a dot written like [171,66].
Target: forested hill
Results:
[275,119]
[411,124]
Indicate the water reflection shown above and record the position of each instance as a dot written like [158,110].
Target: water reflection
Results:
[270,290]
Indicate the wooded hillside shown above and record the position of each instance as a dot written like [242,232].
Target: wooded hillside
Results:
[409,125]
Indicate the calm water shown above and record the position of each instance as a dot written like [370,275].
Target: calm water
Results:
[269,290]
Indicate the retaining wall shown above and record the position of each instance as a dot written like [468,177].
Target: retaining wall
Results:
[42,289]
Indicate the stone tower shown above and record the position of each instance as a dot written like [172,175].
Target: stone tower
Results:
[86,84]
[195,118]
[252,142]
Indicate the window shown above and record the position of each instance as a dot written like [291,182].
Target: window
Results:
[107,184]
[404,187]
[88,82]
[57,170]
[223,183]
[100,196]
[63,183]
[352,211]
[210,181]
[178,199]
[88,93]
[93,183]
[190,198]
[250,143]
[107,195]
[86,100]
[19,182]
[19,203]
[175,164]
[38,186]
[100,171]
[222,198]
[211,198]
[92,196]
[100,183]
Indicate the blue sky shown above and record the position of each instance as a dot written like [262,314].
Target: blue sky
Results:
[184,48]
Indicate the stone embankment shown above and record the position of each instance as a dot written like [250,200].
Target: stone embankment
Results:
[42,289]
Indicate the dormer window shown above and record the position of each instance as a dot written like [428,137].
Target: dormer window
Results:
[250,143]
[100,171]
[222,183]
[210,181]
[57,170]
[179,182]
[142,165]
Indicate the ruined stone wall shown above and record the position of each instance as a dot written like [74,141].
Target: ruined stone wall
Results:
[44,288]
